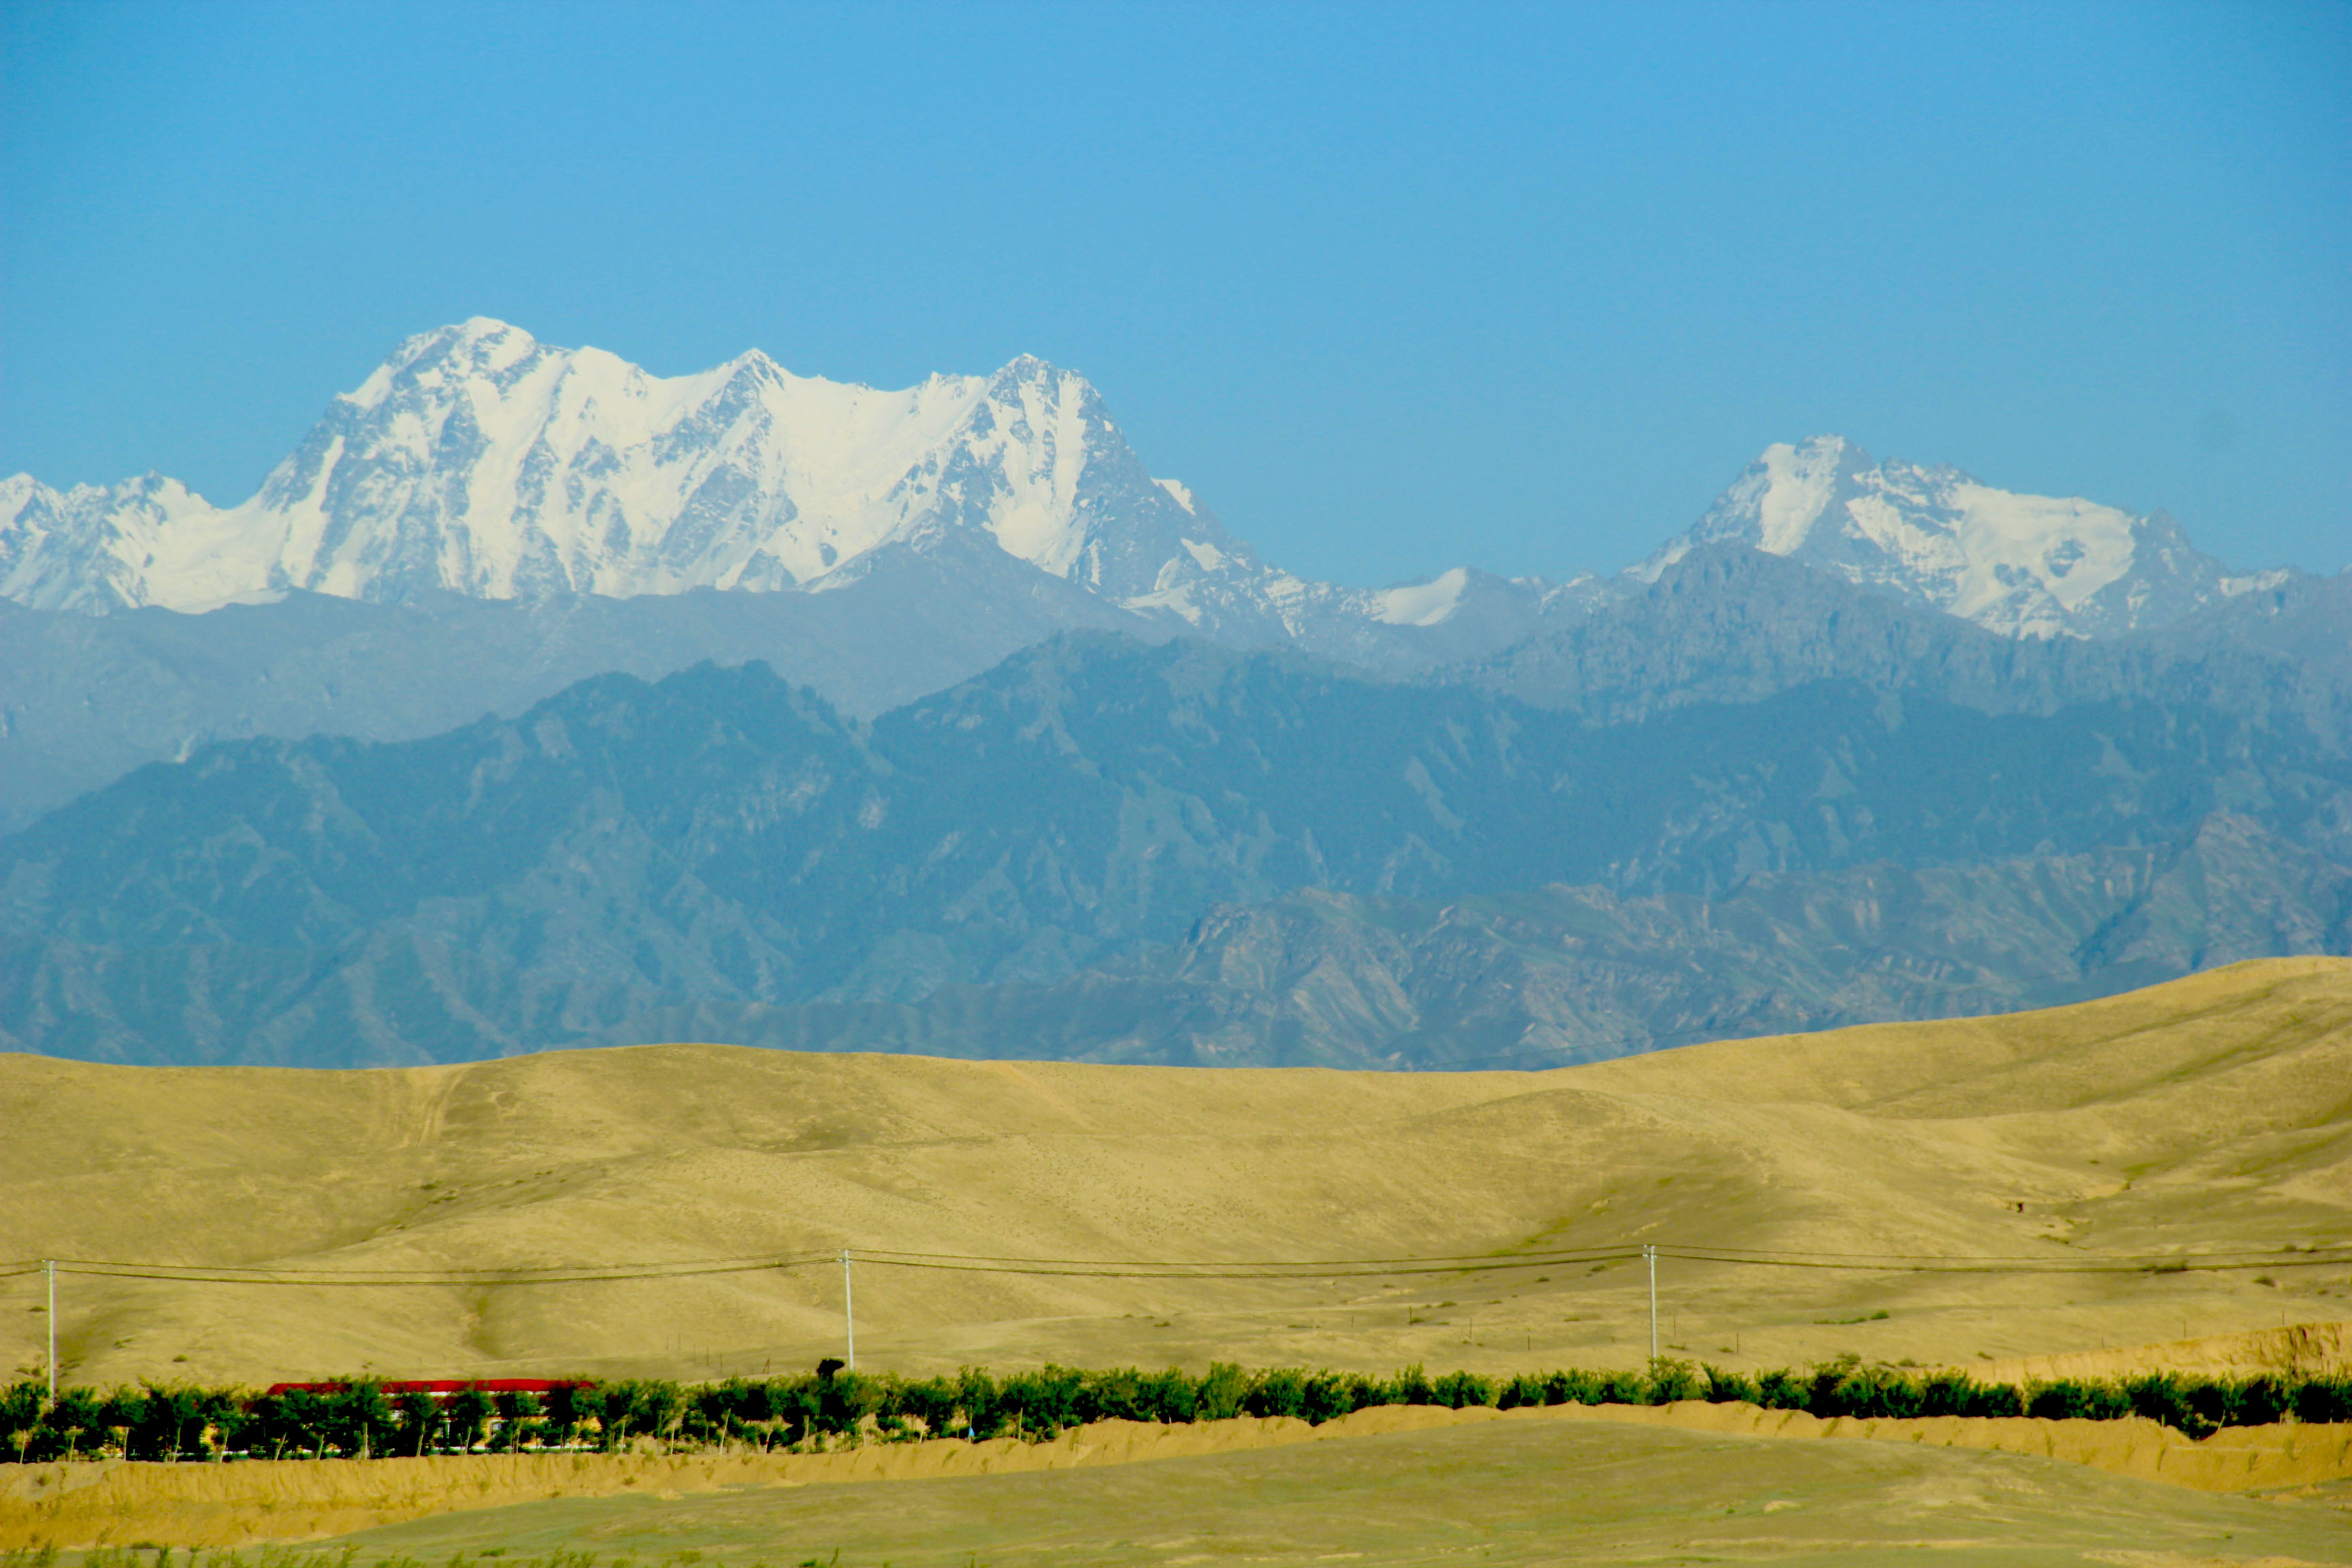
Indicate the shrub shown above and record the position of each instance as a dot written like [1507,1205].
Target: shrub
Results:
[2261,1401]
[1822,1391]
[1460,1390]
[1727,1387]
[1280,1391]
[1947,1393]
[1669,1379]
[469,1412]
[569,1406]
[1113,1396]
[360,1419]
[1572,1388]
[1041,1403]
[976,1397]
[2077,1399]
[1411,1387]
[1784,1390]
[2212,1403]
[2063,1400]
[1877,1392]
[1220,1393]
[1523,1389]
[633,1407]
[1330,1395]
[122,1414]
[2159,1396]
[1622,1388]
[1996,1399]
[523,1418]
[2324,1399]
[1171,1396]
[930,1401]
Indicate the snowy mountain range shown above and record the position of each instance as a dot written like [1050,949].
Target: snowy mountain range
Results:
[2022,565]
[480,462]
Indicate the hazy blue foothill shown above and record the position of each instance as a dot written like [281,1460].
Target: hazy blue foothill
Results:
[1750,796]
[84,699]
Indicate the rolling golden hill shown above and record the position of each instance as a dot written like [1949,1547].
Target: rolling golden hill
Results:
[2214,1111]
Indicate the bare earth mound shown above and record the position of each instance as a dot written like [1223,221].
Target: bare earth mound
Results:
[2214,1111]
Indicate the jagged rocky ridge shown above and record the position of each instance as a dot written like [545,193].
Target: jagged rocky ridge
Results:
[1754,798]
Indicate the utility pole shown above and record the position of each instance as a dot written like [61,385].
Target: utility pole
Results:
[49,1267]
[1650,1256]
[848,1311]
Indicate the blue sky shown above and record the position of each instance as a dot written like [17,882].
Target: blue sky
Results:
[1391,287]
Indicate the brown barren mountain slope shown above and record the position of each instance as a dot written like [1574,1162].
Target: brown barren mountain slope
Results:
[2216,1111]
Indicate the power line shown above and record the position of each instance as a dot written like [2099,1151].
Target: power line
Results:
[1561,1254]
[2319,1255]
[974,1262]
[1210,1271]
[2174,1265]
[237,1274]
[1873,1260]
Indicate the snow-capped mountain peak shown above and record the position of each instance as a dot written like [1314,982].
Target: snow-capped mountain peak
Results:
[479,460]
[93,547]
[2022,565]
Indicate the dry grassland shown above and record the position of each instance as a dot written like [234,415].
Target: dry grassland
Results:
[238,1505]
[1492,1490]
[2215,1111]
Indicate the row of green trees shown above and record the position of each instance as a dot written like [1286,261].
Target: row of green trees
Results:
[360,1420]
